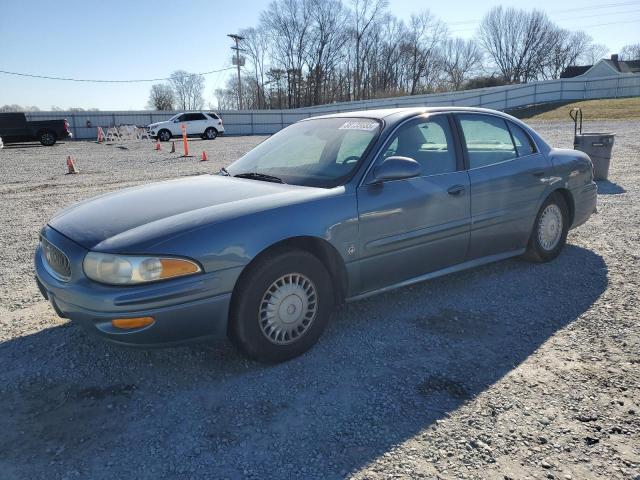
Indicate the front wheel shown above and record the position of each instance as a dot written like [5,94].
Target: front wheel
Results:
[550,229]
[210,133]
[281,306]
[47,138]
[164,135]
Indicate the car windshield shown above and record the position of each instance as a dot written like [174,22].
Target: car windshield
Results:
[322,152]
[174,117]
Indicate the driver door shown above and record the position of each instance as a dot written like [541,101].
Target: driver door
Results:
[411,227]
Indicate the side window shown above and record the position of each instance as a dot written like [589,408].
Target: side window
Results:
[181,118]
[524,144]
[214,116]
[429,142]
[191,117]
[487,139]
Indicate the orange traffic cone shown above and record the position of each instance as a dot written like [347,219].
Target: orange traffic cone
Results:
[100,135]
[71,166]
[204,156]
[158,148]
[173,147]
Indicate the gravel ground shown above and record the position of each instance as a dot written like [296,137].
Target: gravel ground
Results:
[513,370]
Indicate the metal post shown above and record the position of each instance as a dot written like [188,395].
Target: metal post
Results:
[237,39]
[73,126]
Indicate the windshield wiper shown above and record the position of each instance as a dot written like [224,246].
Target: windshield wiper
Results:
[223,171]
[260,176]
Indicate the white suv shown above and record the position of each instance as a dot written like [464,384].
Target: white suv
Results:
[204,125]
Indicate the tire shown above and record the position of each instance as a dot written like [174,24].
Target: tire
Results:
[548,237]
[164,135]
[47,138]
[210,134]
[280,306]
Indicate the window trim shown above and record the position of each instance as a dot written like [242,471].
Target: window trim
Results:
[536,151]
[366,180]
[463,142]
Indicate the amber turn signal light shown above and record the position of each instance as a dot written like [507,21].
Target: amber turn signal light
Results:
[128,323]
[174,267]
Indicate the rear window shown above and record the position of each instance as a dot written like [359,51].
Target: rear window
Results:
[524,144]
[214,116]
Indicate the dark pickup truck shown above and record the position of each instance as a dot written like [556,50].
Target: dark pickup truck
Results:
[14,127]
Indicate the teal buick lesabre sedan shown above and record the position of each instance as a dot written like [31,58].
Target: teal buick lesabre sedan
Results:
[330,209]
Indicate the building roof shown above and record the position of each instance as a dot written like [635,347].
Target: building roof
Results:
[574,71]
[629,66]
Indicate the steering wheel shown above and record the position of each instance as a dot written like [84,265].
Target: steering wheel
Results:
[350,159]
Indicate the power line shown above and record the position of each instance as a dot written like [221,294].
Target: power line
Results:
[557,20]
[568,10]
[66,79]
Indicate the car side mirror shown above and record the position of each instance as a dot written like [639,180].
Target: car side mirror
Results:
[396,168]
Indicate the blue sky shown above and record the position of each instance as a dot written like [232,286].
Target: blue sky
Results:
[141,39]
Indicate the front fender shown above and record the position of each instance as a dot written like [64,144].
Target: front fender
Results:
[236,241]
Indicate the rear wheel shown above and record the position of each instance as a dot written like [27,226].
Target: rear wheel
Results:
[281,306]
[210,133]
[47,138]
[550,229]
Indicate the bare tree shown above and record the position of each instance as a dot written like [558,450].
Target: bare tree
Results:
[256,44]
[424,35]
[188,89]
[328,36]
[288,23]
[593,53]
[518,41]
[460,59]
[630,52]
[365,14]
[161,97]
[567,50]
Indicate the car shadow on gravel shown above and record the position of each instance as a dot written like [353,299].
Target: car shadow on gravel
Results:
[386,370]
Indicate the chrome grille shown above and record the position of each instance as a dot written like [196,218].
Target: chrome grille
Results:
[56,261]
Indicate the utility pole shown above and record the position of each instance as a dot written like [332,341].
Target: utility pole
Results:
[238,63]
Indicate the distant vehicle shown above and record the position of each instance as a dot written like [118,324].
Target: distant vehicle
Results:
[330,209]
[14,127]
[204,125]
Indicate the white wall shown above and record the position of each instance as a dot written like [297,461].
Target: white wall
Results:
[265,122]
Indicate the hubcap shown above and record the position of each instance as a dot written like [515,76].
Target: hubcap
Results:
[211,134]
[288,308]
[550,227]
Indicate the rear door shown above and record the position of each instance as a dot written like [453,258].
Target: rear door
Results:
[196,123]
[415,226]
[508,176]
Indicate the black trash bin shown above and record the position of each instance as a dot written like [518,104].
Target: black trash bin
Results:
[599,146]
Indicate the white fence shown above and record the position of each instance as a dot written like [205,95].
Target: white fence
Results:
[265,122]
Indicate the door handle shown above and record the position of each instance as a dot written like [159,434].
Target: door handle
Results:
[456,190]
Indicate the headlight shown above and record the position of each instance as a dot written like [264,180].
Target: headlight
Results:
[129,270]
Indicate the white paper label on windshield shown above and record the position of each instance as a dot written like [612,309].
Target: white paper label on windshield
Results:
[359,125]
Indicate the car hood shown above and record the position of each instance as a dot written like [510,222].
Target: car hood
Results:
[149,214]
[153,125]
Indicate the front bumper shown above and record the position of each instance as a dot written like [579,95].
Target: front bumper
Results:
[184,310]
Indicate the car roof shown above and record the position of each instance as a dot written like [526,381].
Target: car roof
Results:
[393,115]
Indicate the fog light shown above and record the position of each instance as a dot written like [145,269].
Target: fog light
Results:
[128,323]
